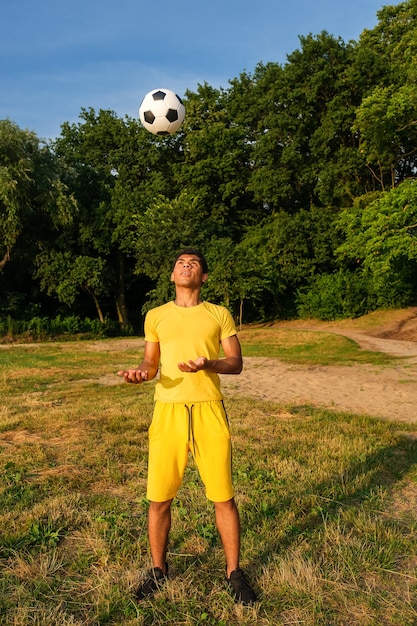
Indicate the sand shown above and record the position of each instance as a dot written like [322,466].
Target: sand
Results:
[379,391]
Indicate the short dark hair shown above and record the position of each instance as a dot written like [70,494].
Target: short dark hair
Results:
[196,253]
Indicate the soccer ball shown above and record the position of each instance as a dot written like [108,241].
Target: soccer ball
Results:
[162,112]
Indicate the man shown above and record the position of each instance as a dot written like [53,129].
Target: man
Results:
[185,337]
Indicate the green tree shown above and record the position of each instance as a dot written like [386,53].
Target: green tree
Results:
[117,168]
[64,275]
[33,196]
[386,120]
[286,252]
[216,164]
[303,149]
[381,242]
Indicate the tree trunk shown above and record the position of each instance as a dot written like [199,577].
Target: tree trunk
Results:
[98,307]
[121,306]
[4,260]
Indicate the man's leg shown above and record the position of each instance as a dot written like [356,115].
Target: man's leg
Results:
[167,460]
[159,524]
[228,525]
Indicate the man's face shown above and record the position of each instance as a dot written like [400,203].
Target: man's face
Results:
[188,272]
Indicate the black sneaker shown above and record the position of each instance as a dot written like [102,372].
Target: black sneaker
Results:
[242,590]
[153,583]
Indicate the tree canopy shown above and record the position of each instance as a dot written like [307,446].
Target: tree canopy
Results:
[297,181]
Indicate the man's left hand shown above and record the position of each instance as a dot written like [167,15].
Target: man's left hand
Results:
[193,366]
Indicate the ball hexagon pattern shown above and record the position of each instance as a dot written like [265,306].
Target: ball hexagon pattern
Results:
[162,112]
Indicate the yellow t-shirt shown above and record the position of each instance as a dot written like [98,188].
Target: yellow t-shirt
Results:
[186,333]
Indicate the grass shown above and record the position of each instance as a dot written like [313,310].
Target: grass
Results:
[308,347]
[327,500]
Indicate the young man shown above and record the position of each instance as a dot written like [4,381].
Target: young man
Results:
[185,337]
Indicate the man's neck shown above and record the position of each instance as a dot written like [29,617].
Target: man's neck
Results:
[187,297]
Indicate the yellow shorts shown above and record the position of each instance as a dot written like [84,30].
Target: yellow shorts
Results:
[200,428]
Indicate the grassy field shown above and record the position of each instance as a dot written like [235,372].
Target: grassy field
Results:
[307,347]
[327,500]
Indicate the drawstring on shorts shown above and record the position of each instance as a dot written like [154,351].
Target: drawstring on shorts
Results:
[190,425]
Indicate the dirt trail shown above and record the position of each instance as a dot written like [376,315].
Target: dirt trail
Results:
[373,390]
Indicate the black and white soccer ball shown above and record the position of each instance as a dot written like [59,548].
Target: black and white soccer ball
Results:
[162,112]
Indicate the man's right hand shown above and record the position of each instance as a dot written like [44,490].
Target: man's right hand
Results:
[133,376]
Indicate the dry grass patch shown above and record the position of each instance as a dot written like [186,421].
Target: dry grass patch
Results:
[327,533]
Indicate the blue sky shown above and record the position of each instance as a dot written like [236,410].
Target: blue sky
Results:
[58,56]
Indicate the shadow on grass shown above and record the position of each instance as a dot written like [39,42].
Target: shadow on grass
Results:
[350,488]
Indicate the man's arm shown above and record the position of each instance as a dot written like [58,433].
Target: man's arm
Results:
[231,363]
[147,369]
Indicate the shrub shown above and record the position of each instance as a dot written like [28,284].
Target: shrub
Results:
[335,296]
[41,328]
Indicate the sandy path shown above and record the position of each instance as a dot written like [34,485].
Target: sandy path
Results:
[388,392]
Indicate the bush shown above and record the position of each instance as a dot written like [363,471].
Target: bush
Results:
[41,328]
[335,296]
